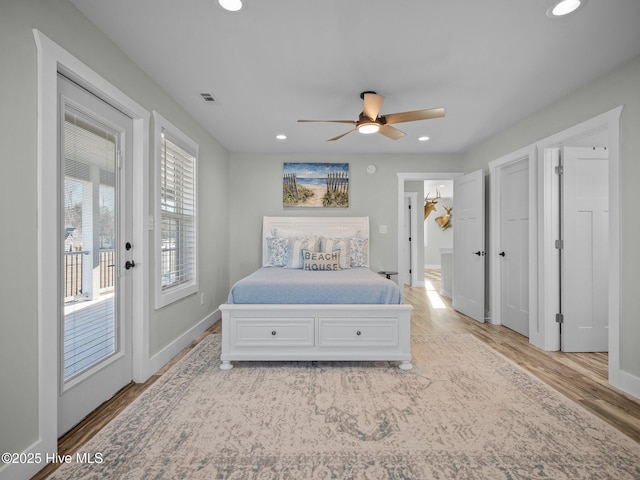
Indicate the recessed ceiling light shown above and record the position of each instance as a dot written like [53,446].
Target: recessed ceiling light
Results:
[281,136]
[231,5]
[564,7]
[423,138]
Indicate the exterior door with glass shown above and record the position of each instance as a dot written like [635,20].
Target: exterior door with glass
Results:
[95,349]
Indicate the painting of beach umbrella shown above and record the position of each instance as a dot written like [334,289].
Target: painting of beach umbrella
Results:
[315,185]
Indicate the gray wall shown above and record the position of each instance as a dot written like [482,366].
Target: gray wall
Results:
[65,25]
[256,190]
[234,196]
[619,87]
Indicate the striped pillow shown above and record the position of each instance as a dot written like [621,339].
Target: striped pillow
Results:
[296,245]
[342,244]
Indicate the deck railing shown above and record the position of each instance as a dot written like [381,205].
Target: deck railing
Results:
[107,266]
[73,274]
[73,267]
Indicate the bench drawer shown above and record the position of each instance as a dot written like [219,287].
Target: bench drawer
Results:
[273,332]
[378,332]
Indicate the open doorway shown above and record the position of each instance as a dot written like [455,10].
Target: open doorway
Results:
[409,183]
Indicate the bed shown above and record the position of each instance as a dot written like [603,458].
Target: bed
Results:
[315,298]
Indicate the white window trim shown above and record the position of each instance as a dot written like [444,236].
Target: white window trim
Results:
[170,295]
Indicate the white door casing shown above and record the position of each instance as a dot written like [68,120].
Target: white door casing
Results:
[53,59]
[468,245]
[584,255]
[404,277]
[413,273]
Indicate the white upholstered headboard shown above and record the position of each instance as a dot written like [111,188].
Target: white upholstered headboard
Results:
[327,226]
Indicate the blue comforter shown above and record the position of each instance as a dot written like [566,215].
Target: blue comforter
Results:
[293,286]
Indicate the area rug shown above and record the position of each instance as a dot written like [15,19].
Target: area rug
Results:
[463,412]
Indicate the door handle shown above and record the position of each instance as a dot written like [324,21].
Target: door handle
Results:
[479,253]
[502,254]
[130,264]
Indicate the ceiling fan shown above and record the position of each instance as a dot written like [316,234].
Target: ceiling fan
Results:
[370,120]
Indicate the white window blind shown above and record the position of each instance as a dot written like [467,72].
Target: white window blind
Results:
[177,220]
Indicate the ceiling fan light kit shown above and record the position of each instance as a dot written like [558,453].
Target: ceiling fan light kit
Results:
[368,128]
[370,120]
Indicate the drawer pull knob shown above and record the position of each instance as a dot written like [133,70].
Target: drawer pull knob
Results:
[358,332]
[273,332]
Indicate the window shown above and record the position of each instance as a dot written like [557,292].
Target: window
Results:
[175,213]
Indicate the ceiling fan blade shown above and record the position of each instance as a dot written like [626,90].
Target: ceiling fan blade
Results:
[391,132]
[340,136]
[413,116]
[372,105]
[352,122]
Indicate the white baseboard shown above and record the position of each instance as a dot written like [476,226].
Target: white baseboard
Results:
[432,267]
[38,456]
[164,356]
[445,293]
[627,383]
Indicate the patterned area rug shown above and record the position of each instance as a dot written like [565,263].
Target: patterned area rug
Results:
[463,412]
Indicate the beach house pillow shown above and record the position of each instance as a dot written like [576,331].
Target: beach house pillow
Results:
[359,251]
[297,245]
[277,252]
[342,244]
[321,261]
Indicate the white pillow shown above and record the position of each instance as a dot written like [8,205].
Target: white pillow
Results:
[277,252]
[343,244]
[296,245]
[359,251]
[321,261]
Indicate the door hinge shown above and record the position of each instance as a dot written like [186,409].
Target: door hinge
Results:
[559,244]
[559,170]
[559,318]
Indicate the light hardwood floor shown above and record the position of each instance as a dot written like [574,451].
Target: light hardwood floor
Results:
[580,376]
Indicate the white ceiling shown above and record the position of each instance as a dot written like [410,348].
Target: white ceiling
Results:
[490,63]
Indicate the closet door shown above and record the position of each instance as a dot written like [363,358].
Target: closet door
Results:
[468,245]
[514,248]
[585,252]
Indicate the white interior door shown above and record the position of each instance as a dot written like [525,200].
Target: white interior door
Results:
[514,248]
[468,245]
[584,257]
[95,351]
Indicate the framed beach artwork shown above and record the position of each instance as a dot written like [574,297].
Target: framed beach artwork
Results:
[315,185]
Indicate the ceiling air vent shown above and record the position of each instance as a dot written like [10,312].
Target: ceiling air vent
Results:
[208,97]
